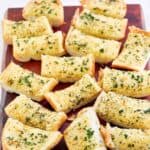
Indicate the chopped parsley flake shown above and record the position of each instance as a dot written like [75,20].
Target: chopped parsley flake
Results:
[89,133]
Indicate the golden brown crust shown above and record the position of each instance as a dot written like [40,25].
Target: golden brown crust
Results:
[135,29]
[122,66]
[76,15]
[107,137]
[67,36]
[124,29]
[100,77]
[51,101]
[63,42]
[62,120]
[92,68]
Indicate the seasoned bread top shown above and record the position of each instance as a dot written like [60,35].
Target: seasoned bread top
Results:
[17,136]
[33,114]
[21,29]
[112,8]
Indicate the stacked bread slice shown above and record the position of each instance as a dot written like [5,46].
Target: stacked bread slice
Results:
[96,31]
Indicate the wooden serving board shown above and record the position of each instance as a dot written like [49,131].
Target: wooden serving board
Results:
[135,16]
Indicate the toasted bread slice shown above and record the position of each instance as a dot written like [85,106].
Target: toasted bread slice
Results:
[125,139]
[52,9]
[136,51]
[129,83]
[79,44]
[110,8]
[67,69]
[22,81]
[35,115]
[123,111]
[83,133]
[21,29]
[79,94]
[99,25]
[17,136]
[25,49]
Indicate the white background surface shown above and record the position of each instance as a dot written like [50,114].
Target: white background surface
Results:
[4,4]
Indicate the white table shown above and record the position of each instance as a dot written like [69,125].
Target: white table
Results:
[4,4]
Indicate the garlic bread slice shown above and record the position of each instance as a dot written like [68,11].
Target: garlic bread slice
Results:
[25,49]
[79,94]
[33,114]
[67,69]
[128,83]
[126,139]
[136,51]
[83,133]
[80,44]
[99,25]
[22,81]
[17,136]
[52,9]
[123,111]
[22,29]
[110,8]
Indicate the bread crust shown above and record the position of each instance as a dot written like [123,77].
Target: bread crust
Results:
[75,16]
[134,29]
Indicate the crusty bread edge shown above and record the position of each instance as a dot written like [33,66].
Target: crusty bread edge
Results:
[67,37]
[75,16]
[61,42]
[55,141]
[100,77]
[92,65]
[127,67]
[61,120]
[134,29]
[52,101]
[106,134]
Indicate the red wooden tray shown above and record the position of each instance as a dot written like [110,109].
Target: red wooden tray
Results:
[135,16]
